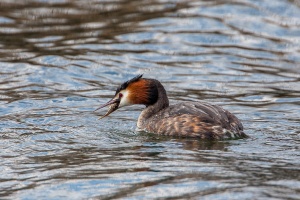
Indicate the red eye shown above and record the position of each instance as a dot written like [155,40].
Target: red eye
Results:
[120,95]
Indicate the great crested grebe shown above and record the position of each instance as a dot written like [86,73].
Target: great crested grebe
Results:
[188,119]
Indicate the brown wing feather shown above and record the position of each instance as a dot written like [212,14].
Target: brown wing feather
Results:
[201,120]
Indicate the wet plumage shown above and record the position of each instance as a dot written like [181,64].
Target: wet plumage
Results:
[187,119]
[195,119]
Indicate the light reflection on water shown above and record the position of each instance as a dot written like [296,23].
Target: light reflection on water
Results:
[61,59]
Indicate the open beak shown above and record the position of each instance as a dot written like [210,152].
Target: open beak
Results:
[113,106]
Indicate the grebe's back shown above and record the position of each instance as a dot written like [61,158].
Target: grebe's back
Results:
[195,119]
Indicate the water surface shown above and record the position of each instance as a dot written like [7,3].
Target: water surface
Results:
[59,60]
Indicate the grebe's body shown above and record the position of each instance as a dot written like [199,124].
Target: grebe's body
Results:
[188,119]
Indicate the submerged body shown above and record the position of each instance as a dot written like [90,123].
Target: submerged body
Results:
[187,119]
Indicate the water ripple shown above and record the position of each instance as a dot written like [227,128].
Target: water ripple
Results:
[59,60]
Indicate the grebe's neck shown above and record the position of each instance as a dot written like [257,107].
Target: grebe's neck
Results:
[161,103]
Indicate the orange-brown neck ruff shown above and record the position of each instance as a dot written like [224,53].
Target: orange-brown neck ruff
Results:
[143,91]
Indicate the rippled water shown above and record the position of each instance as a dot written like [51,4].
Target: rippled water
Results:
[59,60]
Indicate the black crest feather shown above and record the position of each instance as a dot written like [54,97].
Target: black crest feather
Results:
[125,84]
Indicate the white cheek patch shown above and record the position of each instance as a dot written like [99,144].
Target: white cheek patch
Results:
[125,101]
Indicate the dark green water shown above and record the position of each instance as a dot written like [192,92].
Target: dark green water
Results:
[59,60]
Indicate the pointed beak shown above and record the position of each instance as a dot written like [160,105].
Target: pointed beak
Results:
[113,106]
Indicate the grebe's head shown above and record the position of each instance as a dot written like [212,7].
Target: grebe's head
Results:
[135,91]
